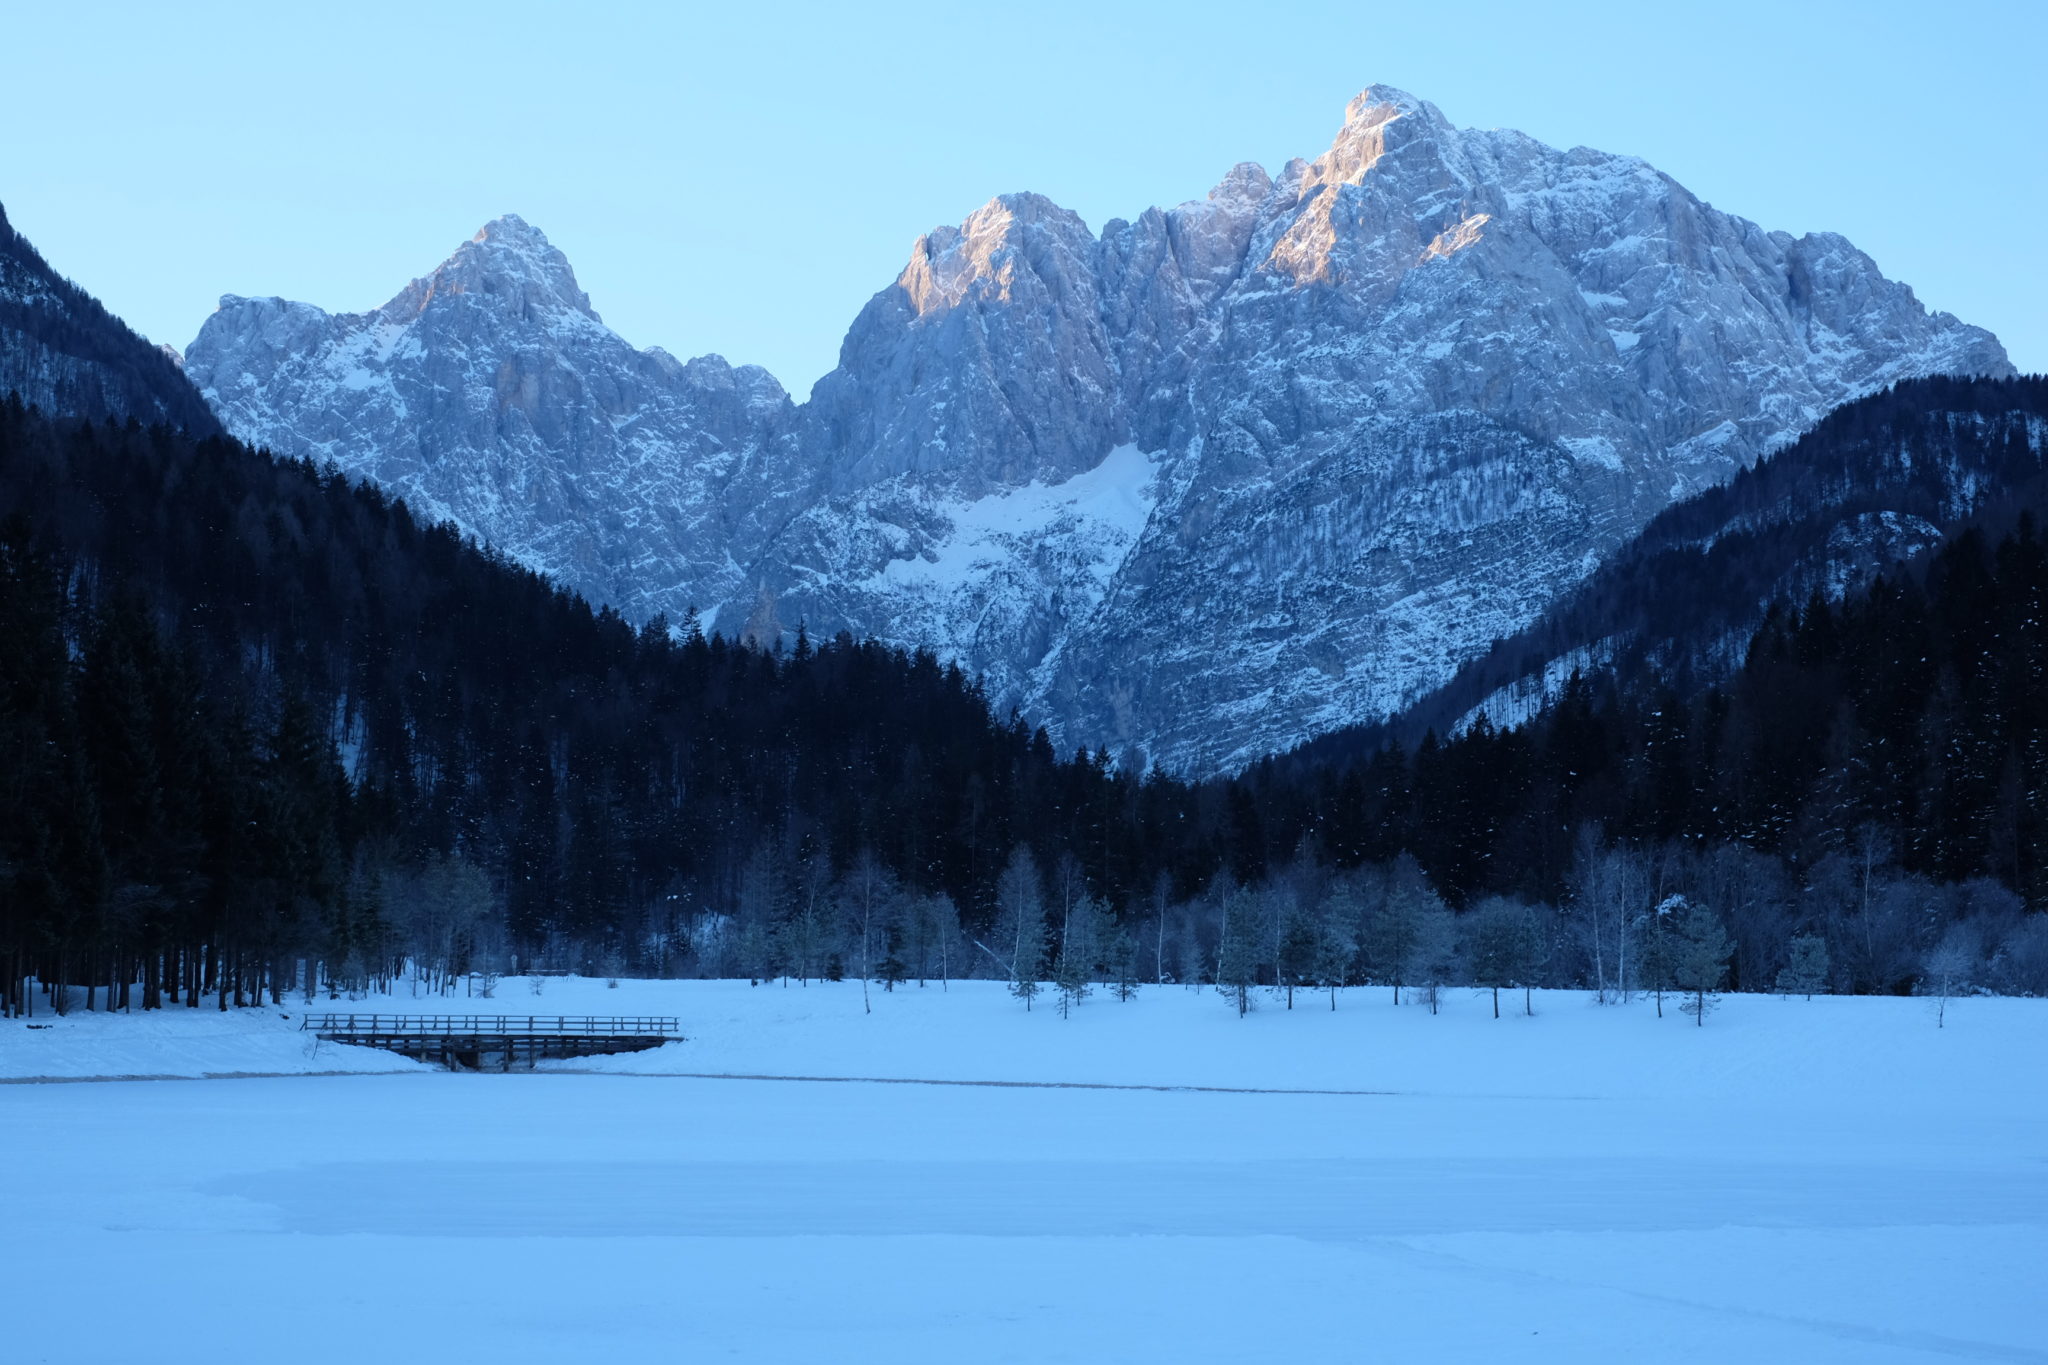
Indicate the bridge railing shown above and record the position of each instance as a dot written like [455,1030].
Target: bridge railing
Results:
[530,1025]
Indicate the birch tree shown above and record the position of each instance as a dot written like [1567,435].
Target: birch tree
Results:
[1950,967]
[1432,958]
[1020,908]
[1610,890]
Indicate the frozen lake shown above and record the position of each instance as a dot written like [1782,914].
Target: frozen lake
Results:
[1662,1191]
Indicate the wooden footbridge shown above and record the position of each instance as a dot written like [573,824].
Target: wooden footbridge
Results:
[476,1042]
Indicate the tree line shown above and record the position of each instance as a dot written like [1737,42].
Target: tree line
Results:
[261,730]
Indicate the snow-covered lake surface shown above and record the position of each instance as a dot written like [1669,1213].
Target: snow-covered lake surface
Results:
[1834,1180]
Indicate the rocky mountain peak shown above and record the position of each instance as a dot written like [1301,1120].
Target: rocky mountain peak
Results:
[1377,103]
[509,266]
[489,393]
[1233,474]
[1245,188]
[1367,208]
[1378,120]
[983,254]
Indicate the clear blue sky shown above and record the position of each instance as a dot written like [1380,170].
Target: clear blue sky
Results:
[741,178]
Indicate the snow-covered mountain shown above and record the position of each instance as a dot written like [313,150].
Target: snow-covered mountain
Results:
[1878,483]
[490,393]
[1214,481]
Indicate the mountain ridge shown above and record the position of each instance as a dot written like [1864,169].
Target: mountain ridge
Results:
[1874,489]
[1393,402]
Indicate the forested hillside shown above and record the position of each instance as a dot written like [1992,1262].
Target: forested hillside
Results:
[59,348]
[1877,481]
[255,713]
[254,720]
[1873,773]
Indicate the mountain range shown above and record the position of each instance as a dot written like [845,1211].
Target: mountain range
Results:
[255,715]
[1199,487]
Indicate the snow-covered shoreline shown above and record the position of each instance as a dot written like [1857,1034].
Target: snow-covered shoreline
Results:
[1825,1050]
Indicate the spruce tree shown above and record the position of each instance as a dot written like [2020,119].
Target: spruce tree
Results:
[1657,954]
[1295,957]
[1078,954]
[1700,959]
[1336,945]
[1237,958]
[1806,966]
[1124,957]
[1395,923]
[1494,947]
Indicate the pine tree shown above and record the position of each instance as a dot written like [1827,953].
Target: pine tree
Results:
[1124,956]
[1295,956]
[1395,924]
[1336,945]
[1700,959]
[1079,951]
[1806,966]
[1494,945]
[1657,951]
[1237,958]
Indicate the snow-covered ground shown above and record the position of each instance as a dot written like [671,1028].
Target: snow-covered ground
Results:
[1812,1181]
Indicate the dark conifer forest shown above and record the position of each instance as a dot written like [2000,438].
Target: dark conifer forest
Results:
[56,338]
[259,728]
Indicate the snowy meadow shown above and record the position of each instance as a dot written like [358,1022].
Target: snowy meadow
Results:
[960,1179]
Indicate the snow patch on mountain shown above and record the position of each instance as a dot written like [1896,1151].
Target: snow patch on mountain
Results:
[1396,401]
[1101,511]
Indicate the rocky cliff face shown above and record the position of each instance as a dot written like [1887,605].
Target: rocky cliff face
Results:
[64,353]
[490,393]
[1877,484]
[1224,477]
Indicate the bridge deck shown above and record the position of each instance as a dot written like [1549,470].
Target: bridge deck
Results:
[476,1040]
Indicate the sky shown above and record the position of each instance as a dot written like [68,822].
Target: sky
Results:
[741,178]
